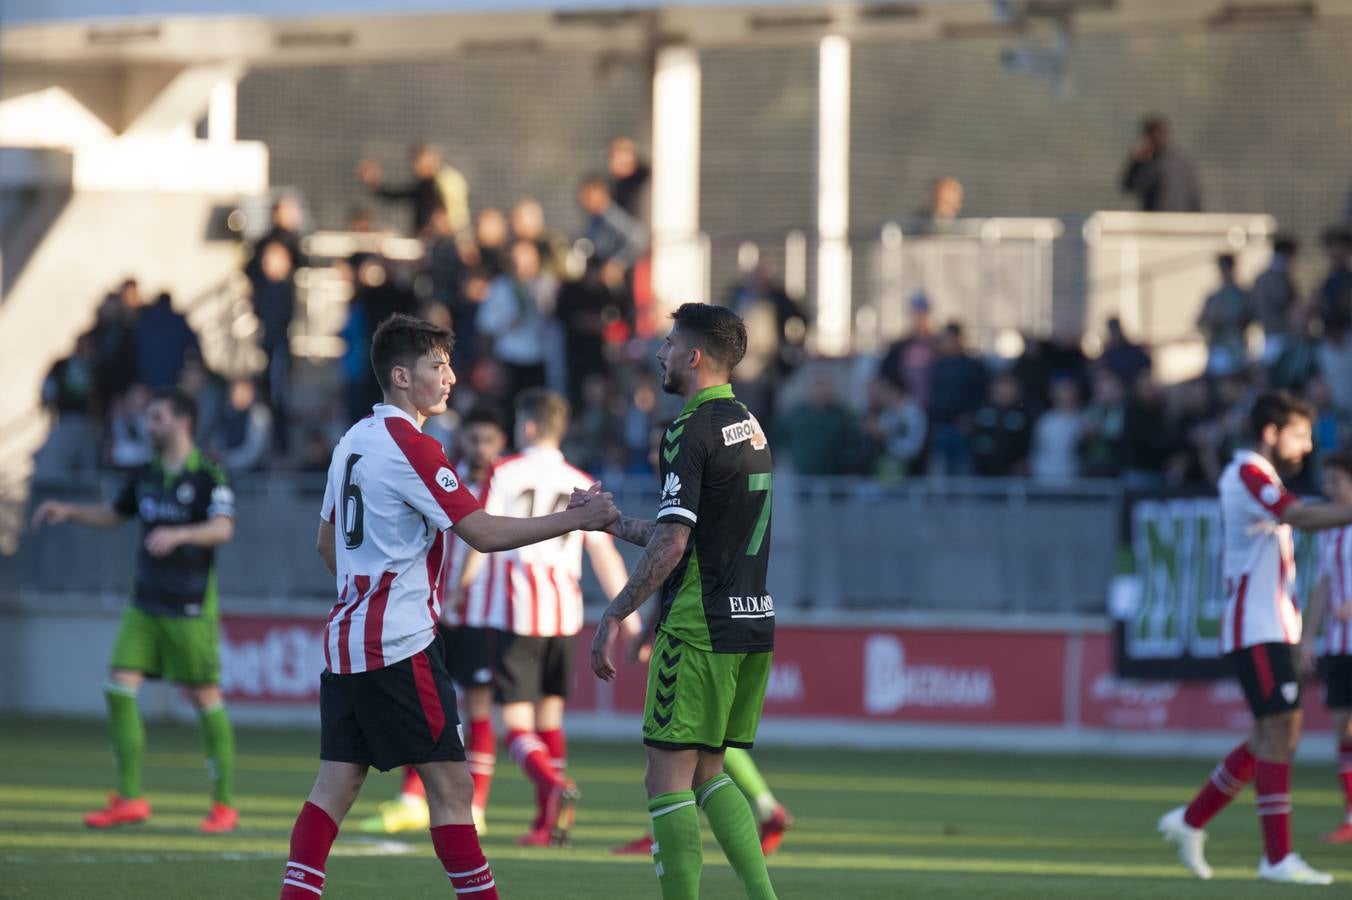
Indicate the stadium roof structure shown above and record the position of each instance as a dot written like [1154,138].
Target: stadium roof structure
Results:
[317,31]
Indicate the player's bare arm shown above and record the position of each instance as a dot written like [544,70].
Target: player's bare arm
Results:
[634,531]
[660,557]
[489,534]
[213,532]
[91,515]
[1314,617]
[1317,516]
[608,565]
[325,546]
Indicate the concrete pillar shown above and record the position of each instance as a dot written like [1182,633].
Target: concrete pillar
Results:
[679,259]
[833,196]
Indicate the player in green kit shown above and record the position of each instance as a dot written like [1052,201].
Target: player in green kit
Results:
[708,552]
[172,628]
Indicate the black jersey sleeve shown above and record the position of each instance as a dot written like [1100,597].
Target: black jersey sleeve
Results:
[125,504]
[684,452]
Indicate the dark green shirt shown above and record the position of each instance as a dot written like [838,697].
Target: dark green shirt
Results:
[184,582]
[715,470]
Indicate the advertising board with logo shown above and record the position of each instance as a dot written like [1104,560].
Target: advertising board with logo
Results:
[850,675]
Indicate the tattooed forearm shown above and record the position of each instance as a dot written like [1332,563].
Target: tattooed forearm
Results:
[665,548]
[635,531]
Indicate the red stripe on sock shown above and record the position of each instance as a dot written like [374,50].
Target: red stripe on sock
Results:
[1230,777]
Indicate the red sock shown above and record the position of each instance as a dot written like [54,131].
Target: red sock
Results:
[1226,781]
[1345,773]
[482,756]
[458,849]
[532,756]
[558,748]
[412,785]
[1274,808]
[311,838]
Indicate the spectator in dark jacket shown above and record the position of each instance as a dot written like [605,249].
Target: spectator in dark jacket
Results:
[433,186]
[1275,295]
[1161,177]
[163,341]
[628,176]
[1333,304]
[1104,421]
[957,390]
[285,230]
[274,301]
[1120,356]
[115,344]
[1002,431]
[909,363]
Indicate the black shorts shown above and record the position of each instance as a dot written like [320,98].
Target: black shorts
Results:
[1337,681]
[527,669]
[469,655]
[1270,676]
[400,715]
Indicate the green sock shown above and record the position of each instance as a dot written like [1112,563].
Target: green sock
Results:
[735,827]
[129,737]
[678,848]
[218,739]
[741,768]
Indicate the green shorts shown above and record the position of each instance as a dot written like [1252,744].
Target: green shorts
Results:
[700,700]
[181,649]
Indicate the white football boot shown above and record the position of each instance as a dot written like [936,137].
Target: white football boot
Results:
[1189,841]
[1292,870]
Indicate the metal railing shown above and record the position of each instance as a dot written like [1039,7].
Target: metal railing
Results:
[969,546]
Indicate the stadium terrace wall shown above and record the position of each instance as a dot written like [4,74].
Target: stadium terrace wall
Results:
[843,684]
[1243,103]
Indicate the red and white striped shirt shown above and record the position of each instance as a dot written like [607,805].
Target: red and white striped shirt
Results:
[391,495]
[1259,562]
[536,590]
[454,599]
[1335,564]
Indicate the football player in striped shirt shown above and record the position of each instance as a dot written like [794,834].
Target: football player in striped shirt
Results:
[531,598]
[386,699]
[480,441]
[1261,635]
[1332,595]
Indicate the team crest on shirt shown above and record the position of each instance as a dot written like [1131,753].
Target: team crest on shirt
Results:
[1290,691]
[446,478]
[186,493]
[746,430]
[672,486]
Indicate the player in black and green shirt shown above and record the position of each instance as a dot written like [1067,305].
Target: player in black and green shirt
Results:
[708,551]
[171,630]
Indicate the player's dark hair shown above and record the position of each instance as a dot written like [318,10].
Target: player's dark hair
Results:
[402,340]
[483,414]
[1341,460]
[546,409]
[716,330]
[1284,245]
[1278,408]
[180,404]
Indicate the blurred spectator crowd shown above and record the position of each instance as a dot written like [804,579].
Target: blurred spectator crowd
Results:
[532,306]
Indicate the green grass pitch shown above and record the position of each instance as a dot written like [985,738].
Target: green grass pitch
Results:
[870,825]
